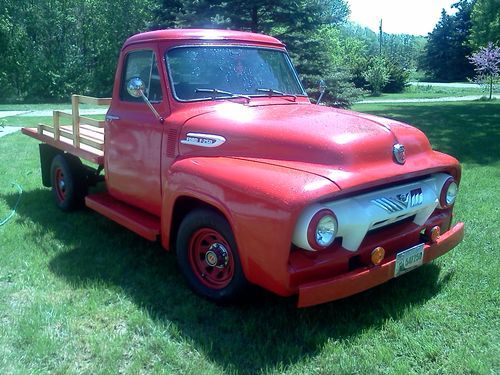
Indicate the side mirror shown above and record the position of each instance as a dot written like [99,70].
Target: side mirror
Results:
[135,88]
[322,89]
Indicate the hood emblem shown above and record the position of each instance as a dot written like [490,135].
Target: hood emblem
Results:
[399,152]
[203,140]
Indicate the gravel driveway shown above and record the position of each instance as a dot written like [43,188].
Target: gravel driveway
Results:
[458,85]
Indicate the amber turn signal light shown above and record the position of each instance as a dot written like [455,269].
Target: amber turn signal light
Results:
[377,255]
[434,233]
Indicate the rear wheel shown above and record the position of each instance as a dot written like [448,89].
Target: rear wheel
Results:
[208,256]
[68,182]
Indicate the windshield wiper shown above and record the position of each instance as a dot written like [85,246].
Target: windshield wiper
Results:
[222,92]
[273,92]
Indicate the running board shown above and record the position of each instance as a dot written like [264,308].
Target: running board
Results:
[137,220]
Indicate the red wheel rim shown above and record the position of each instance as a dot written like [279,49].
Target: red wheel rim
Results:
[211,258]
[60,184]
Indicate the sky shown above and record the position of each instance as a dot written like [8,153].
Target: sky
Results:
[416,17]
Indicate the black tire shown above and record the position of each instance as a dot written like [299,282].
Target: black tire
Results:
[208,256]
[68,182]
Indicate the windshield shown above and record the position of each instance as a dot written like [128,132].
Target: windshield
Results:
[204,72]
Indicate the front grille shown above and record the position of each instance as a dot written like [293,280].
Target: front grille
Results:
[360,214]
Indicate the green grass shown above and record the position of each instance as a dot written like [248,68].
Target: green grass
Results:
[470,131]
[430,92]
[29,121]
[80,294]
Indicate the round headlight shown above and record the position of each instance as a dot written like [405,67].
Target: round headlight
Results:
[451,194]
[448,193]
[322,229]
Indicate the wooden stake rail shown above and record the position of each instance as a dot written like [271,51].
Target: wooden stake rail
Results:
[84,132]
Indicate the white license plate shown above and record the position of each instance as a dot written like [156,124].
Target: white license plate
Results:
[409,259]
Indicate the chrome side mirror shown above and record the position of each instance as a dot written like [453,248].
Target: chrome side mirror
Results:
[135,88]
[322,89]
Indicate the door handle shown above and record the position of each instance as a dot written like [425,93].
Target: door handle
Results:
[112,117]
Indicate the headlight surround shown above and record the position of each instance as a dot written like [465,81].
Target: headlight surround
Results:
[448,193]
[322,229]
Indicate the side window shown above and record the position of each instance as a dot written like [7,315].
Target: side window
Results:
[142,64]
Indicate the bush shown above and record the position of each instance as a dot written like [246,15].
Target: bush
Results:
[377,75]
[398,78]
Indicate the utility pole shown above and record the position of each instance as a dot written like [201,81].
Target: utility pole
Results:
[380,37]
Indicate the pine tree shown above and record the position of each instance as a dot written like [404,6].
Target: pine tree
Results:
[295,22]
[447,49]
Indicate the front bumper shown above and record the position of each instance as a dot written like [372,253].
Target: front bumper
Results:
[362,279]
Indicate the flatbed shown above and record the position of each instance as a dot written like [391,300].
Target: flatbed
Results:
[84,137]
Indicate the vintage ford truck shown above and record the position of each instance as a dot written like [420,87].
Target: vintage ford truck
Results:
[211,145]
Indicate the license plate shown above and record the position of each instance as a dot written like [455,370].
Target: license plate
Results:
[409,259]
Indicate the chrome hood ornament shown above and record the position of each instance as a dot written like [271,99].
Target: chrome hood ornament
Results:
[399,153]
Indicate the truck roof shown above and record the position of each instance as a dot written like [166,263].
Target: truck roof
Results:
[202,35]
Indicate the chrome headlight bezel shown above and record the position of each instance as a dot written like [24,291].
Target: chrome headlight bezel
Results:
[322,229]
[448,194]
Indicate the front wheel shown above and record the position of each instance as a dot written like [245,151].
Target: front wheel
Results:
[208,256]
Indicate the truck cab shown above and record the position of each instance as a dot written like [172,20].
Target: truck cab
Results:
[211,145]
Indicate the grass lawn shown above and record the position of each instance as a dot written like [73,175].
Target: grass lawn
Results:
[80,294]
[44,106]
[431,92]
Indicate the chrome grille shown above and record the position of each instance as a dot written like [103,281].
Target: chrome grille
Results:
[400,202]
[390,204]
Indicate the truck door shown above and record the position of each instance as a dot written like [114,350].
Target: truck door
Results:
[133,134]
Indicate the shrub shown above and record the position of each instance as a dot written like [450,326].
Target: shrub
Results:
[377,75]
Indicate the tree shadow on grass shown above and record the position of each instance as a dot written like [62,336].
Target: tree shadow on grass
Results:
[259,333]
[471,133]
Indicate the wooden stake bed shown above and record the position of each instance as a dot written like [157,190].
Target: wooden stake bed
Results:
[84,137]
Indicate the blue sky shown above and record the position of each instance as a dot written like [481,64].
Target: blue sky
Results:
[417,17]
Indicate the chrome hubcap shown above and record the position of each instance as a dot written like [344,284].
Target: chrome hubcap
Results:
[217,256]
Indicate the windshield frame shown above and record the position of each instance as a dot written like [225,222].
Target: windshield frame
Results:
[222,97]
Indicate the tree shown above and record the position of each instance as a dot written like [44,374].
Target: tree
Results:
[256,16]
[298,23]
[401,51]
[447,49]
[53,48]
[485,20]
[316,56]
[487,65]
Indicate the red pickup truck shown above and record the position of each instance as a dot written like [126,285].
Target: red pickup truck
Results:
[211,145]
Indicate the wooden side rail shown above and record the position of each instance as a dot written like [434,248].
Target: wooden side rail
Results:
[93,101]
[83,129]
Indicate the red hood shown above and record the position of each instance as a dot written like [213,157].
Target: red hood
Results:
[346,147]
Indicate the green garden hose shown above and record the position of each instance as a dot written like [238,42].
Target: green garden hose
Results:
[20,189]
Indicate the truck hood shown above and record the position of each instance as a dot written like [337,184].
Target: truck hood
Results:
[348,148]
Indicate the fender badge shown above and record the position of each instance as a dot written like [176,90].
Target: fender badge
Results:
[203,140]
[398,150]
